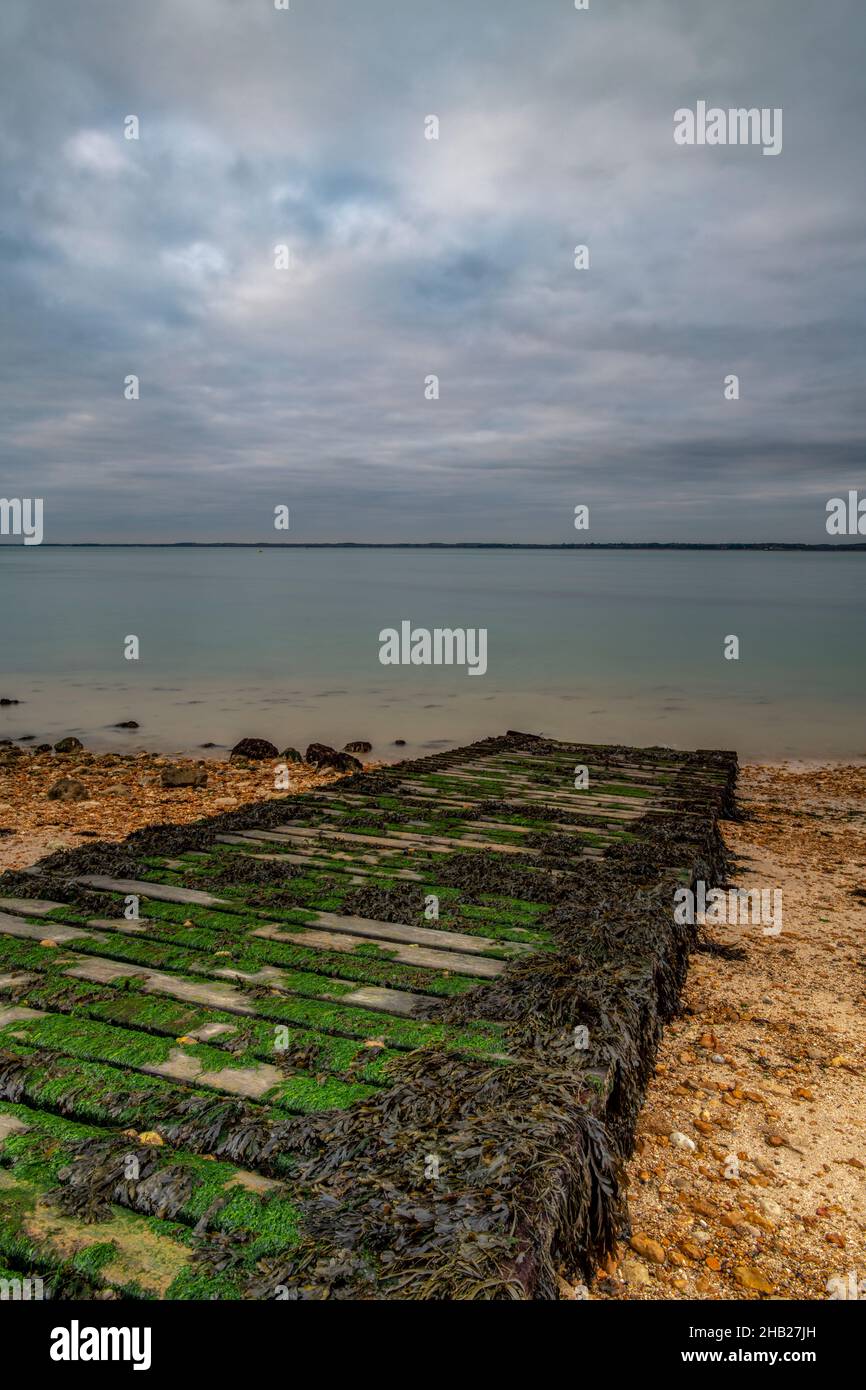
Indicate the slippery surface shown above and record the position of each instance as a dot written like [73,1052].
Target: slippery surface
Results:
[206,1032]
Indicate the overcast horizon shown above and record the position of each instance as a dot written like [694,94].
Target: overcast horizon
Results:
[413,257]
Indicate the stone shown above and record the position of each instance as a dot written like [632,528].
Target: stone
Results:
[184,777]
[127,724]
[6,701]
[255,749]
[318,753]
[291,755]
[682,1141]
[399,743]
[692,1249]
[67,789]
[321,756]
[633,1272]
[360,746]
[648,1248]
[69,745]
[752,1279]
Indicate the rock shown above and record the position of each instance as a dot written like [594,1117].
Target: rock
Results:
[69,745]
[399,743]
[360,746]
[682,1141]
[6,701]
[184,777]
[344,762]
[319,753]
[4,831]
[692,1249]
[633,1272]
[770,1208]
[291,755]
[649,1249]
[321,756]
[67,789]
[255,749]
[127,724]
[749,1278]
[42,748]
[208,745]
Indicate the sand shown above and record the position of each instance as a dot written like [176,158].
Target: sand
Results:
[126,793]
[766,1066]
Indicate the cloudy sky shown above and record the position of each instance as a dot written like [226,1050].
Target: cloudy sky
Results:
[414,257]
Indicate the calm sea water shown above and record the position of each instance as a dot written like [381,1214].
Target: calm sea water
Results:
[611,646]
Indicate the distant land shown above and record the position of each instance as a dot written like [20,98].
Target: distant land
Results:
[451,545]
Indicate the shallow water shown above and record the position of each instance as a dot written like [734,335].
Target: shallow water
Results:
[607,646]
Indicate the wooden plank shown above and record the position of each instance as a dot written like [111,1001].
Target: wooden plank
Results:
[484,968]
[439,938]
[159,892]
[403,840]
[29,907]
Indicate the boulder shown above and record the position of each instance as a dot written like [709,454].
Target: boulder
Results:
[69,745]
[320,755]
[343,762]
[6,701]
[399,743]
[291,755]
[184,777]
[67,789]
[127,724]
[361,746]
[255,748]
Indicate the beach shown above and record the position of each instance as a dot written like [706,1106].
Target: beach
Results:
[124,793]
[766,1064]
[748,1178]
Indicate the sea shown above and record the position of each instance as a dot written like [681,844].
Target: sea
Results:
[614,646]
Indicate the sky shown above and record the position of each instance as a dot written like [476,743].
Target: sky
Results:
[262,387]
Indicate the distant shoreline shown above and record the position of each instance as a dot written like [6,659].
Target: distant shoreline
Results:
[847,546]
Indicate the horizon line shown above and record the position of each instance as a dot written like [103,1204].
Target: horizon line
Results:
[447,545]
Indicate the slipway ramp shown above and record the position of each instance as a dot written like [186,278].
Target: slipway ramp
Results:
[385,1040]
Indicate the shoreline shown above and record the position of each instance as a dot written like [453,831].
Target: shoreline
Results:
[125,792]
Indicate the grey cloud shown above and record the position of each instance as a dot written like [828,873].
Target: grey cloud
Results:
[415,257]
